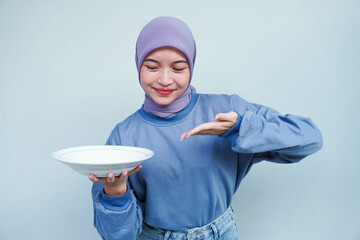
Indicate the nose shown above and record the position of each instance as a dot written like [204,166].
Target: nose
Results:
[165,78]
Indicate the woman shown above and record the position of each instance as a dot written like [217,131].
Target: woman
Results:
[185,190]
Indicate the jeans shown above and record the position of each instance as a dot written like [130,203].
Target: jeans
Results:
[223,228]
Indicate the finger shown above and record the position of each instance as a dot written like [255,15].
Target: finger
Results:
[202,128]
[93,178]
[218,117]
[110,178]
[222,117]
[183,136]
[199,130]
[135,170]
[212,128]
[186,134]
[123,177]
[230,116]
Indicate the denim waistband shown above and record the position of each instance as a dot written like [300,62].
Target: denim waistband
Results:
[215,228]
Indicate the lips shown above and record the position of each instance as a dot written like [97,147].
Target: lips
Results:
[163,91]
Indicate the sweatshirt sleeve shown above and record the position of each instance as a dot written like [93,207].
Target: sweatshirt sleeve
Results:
[271,136]
[117,217]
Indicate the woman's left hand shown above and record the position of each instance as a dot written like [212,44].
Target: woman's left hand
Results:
[222,123]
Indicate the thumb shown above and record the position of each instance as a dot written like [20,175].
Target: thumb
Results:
[220,117]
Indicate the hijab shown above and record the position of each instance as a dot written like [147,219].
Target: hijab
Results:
[166,32]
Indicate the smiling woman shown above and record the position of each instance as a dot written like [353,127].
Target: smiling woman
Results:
[185,191]
[165,75]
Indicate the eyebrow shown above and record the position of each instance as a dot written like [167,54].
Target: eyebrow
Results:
[155,61]
[150,60]
[181,61]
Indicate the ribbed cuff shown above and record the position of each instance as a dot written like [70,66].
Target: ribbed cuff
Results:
[116,203]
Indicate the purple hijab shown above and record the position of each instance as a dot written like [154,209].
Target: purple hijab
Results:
[166,32]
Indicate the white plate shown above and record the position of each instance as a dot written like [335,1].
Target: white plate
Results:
[100,160]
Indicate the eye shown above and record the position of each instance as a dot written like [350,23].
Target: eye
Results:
[151,68]
[178,69]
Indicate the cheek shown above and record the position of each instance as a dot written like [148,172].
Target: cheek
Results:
[144,83]
[145,77]
[184,80]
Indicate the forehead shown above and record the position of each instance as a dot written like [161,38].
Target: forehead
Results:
[167,53]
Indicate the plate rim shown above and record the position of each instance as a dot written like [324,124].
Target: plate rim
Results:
[57,155]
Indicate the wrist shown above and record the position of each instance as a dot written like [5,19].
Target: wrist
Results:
[115,191]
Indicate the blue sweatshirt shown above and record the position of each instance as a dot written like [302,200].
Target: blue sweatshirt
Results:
[190,183]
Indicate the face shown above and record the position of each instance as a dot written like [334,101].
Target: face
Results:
[165,75]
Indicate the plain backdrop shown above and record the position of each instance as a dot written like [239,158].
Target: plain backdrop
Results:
[68,75]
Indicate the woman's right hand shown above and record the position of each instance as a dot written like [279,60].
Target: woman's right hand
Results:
[115,185]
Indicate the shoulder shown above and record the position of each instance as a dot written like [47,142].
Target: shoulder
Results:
[214,99]
[127,125]
[133,119]
[223,101]
[220,97]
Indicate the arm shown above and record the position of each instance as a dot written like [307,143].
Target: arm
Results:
[118,217]
[264,132]
[270,135]
[117,214]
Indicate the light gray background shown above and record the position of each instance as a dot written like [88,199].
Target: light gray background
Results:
[67,76]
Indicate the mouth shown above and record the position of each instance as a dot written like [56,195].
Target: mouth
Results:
[164,91]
